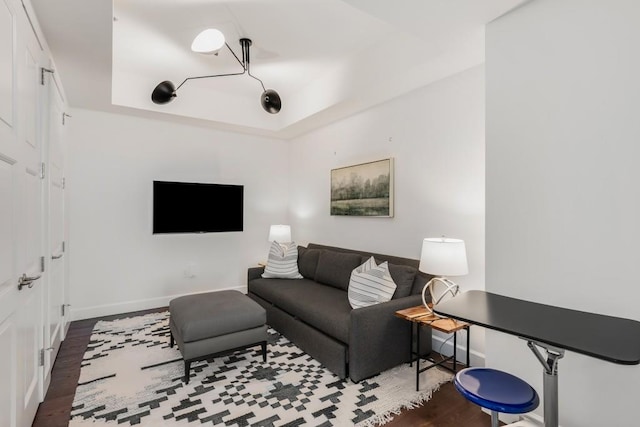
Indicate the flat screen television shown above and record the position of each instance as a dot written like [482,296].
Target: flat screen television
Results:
[189,207]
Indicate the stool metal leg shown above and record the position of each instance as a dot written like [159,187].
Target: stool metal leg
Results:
[495,421]
[550,380]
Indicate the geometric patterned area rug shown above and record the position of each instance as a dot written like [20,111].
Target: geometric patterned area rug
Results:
[131,377]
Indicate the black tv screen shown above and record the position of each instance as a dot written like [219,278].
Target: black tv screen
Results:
[189,207]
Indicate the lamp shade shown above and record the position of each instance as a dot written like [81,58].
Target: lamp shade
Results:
[280,233]
[208,41]
[443,257]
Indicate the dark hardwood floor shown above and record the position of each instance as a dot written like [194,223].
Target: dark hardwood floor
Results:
[445,409]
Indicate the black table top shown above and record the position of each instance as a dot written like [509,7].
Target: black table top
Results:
[613,339]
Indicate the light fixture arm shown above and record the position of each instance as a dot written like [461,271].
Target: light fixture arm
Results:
[252,76]
[242,64]
[246,43]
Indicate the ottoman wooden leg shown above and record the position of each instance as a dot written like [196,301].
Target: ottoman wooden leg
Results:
[171,339]
[187,368]
[264,351]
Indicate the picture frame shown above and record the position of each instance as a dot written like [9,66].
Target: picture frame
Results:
[365,189]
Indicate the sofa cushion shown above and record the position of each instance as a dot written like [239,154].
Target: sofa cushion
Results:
[323,307]
[282,261]
[403,276]
[334,268]
[308,262]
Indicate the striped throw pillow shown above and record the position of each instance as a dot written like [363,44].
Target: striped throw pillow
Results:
[370,284]
[282,262]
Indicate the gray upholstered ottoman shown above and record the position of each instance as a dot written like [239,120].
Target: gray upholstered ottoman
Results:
[204,325]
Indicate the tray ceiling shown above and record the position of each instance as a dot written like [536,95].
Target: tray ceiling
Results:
[326,58]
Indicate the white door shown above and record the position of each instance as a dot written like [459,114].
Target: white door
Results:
[29,226]
[21,228]
[54,265]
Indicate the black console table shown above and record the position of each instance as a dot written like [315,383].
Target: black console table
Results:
[551,328]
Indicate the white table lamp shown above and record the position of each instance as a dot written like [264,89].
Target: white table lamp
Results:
[280,233]
[442,257]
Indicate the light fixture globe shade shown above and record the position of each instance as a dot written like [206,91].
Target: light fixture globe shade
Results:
[270,101]
[163,93]
[209,41]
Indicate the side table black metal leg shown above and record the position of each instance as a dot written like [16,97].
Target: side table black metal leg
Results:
[468,344]
[418,357]
[411,329]
[455,351]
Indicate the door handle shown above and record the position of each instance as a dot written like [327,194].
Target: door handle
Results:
[57,256]
[25,280]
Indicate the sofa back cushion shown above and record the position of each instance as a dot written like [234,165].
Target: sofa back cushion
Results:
[334,268]
[403,276]
[308,262]
[419,280]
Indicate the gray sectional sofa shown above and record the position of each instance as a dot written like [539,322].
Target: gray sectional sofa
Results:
[315,314]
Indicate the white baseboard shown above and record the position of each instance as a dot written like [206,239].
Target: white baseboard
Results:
[527,420]
[535,419]
[438,343]
[129,306]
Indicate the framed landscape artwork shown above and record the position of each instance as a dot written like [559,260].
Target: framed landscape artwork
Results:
[363,190]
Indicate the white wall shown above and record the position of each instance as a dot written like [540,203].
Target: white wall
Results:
[436,136]
[562,185]
[116,263]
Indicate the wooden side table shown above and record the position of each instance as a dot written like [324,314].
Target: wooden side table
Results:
[419,316]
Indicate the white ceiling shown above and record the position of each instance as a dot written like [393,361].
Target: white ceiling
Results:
[326,58]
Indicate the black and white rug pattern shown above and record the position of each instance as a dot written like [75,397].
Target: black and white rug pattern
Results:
[130,376]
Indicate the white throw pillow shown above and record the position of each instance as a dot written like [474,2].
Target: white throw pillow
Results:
[367,265]
[370,284]
[282,262]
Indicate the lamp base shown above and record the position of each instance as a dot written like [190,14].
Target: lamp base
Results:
[437,295]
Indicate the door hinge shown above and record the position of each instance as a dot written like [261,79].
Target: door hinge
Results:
[64,183]
[63,309]
[42,169]
[41,357]
[64,245]
[42,264]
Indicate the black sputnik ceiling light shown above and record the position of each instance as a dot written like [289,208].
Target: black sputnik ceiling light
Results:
[270,100]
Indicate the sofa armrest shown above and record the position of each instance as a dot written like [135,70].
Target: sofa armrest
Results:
[378,340]
[254,273]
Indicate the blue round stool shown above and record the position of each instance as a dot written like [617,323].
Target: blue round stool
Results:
[497,391]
